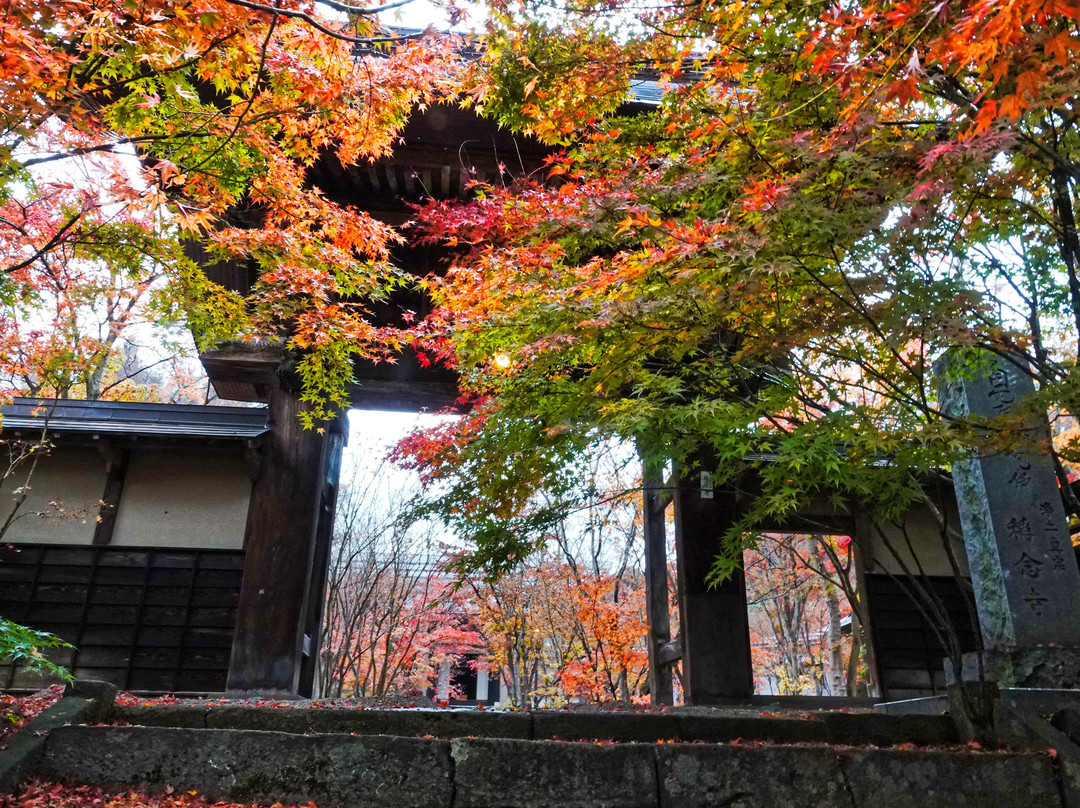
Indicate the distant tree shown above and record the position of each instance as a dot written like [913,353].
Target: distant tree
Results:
[391,617]
[797,604]
[71,312]
[524,631]
[568,623]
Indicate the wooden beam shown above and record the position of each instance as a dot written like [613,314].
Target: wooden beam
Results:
[116,465]
[403,396]
[665,498]
[656,586]
[714,622]
[267,650]
[405,386]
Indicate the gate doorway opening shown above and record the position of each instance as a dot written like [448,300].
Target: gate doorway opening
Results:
[806,635]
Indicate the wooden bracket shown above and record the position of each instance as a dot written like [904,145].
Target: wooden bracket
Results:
[669,652]
[663,499]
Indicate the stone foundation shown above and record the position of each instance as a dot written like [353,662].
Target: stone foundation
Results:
[1052,667]
[345,771]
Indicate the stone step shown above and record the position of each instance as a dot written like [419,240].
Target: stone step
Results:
[386,771]
[694,724]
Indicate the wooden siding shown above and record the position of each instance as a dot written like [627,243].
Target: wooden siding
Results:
[909,655]
[147,619]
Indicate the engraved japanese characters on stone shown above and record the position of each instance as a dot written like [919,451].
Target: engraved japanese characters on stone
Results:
[1056,548]
[1029,566]
[1036,600]
[1025,578]
[1021,473]
[1001,394]
[1018,529]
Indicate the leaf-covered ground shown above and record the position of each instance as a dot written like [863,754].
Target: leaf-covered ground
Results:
[403,702]
[44,794]
[17,710]
[388,702]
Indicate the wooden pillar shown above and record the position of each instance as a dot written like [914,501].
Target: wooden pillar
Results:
[116,465]
[279,543]
[863,538]
[656,584]
[320,563]
[714,622]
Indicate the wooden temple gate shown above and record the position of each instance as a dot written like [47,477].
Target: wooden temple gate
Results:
[440,151]
[276,604]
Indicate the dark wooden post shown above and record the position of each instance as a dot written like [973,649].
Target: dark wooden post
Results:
[279,549]
[656,584]
[714,622]
[116,465]
[320,564]
[863,537]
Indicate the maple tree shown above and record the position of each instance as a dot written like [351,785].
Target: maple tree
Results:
[764,264]
[197,122]
[797,601]
[767,262]
[73,331]
[131,131]
[555,634]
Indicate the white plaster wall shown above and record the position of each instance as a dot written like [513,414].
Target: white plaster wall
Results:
[64,498]
[924,534]
[481,684]
[184,498]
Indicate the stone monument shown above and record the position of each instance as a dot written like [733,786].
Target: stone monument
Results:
[1023,569]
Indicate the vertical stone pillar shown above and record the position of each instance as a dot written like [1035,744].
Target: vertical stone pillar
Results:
[714,620]
[442,685]
[1024,572]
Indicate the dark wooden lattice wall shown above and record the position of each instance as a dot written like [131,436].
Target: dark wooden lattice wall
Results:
[148,619]
[909,653]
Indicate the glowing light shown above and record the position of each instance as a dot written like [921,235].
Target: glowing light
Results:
[502,361]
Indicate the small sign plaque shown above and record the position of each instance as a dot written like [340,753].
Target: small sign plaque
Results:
[706,485]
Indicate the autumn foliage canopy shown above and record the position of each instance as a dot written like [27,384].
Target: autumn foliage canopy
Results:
[128,131]
[764,263]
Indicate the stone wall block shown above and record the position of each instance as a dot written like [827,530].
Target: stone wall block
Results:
[889,730]
[458,723]
[714,775]
[161,715]
[917,779]
[723,728]
[604,726]
[334,771]
[550,774]
[267,719]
